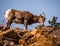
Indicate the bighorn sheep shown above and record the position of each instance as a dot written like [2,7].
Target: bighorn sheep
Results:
[22,17]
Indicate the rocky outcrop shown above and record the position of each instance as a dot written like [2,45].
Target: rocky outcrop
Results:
[45,36]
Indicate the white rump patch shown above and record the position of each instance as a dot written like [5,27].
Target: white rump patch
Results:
[6,13]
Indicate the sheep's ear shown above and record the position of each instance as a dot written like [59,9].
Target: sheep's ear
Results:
[43,14]
[40,15]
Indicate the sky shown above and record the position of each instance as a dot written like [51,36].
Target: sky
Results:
[50,7]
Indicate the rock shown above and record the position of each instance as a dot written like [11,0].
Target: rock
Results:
[35,31]
[50,36]
[44,36]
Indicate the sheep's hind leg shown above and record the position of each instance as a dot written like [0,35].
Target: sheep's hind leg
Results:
[7,25]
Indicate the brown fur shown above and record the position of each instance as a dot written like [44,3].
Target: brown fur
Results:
[21,17]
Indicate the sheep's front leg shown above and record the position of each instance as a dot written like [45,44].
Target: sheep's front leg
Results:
[25,24]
